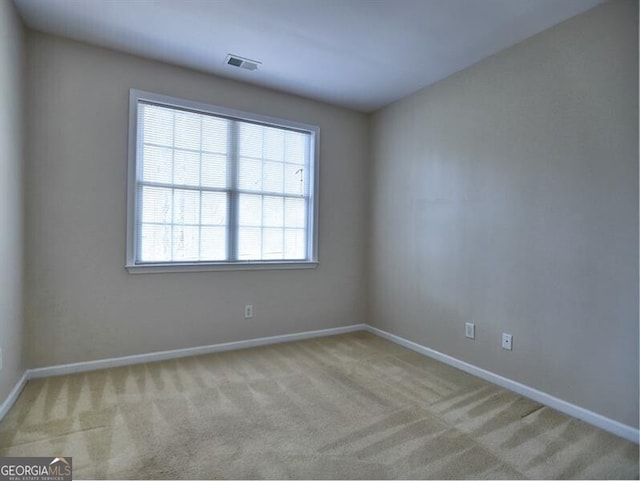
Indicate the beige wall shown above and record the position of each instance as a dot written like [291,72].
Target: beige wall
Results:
[507,195]
[11,197]
[83,305]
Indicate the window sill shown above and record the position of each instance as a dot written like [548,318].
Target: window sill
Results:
[218,266]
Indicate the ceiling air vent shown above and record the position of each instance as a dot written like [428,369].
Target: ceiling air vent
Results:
[241,62]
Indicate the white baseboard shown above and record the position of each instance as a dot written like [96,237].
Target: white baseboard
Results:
[186,352]
[627,432]
[13,395]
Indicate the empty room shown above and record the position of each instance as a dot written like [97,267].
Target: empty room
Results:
[319,239]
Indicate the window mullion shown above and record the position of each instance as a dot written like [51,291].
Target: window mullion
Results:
[173,181]
[233,197]
[200,193]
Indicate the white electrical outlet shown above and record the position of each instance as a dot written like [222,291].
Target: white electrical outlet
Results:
[470,330]
[507,341]
[248,312]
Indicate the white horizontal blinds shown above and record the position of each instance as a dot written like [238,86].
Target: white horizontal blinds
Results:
[211,188]
[182,185]
[273,193]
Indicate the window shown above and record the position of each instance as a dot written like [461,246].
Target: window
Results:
[214,188]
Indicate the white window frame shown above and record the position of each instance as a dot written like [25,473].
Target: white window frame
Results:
[135,267]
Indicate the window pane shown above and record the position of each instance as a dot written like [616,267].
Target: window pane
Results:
[294,179]
[250,210]
[187,130]
[157,124]
[155,243]
[213,243]
[156,164]
[186,168]
[272,176]
[296,148]
[186,207]
[215,133]
[186,243]
[249,243]
[273,211]
[295,244]
[295,212]
[214,170]
[272,247]
[273,144]
[250,140]
[156,205]
[250,174]
[214,208]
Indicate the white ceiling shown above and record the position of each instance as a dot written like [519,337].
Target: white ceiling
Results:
[362,54]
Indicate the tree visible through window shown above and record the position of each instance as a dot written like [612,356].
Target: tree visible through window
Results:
[215,186]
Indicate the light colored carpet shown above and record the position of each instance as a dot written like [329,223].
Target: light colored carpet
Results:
[349,406]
